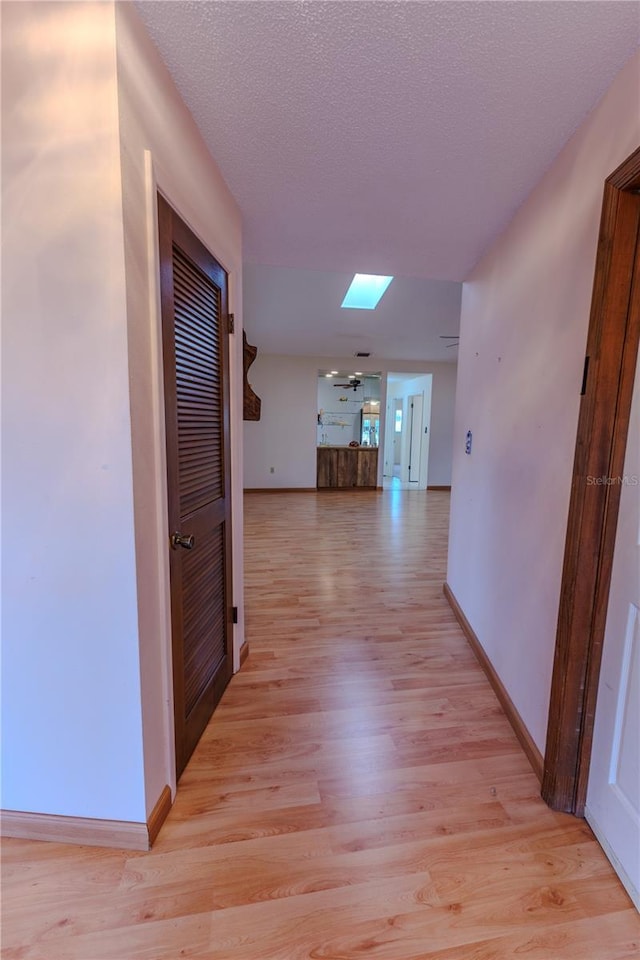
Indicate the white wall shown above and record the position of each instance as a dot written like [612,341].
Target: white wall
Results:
[443,400]
[525,314]
[72,734]
[162,147]
[91,120]
[285,437]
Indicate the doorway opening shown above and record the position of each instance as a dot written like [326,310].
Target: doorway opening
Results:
[407,431]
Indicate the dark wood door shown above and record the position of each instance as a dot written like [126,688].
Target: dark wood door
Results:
[196,386]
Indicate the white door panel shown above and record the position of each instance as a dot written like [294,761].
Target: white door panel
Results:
[613,796]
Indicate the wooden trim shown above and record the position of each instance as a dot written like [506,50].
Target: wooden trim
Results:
[122,834]
[244,653]
[159,814]
[627,175]
[279,489]
[252,404]
[612,346]
[526,742]
[438,487]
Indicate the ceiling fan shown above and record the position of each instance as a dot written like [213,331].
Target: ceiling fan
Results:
[451,336]
[352,384]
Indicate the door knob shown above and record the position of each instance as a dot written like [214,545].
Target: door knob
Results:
[182,540]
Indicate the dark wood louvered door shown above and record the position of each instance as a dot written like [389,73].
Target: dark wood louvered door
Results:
[196,387]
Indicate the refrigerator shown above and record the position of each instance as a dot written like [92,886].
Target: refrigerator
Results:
[370,429]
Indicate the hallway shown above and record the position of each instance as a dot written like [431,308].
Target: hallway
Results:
[358,793]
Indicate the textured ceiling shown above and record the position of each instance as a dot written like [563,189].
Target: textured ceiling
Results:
[297,312]
[381,137]
[386,137]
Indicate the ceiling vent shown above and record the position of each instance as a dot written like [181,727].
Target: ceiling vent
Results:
[362,354]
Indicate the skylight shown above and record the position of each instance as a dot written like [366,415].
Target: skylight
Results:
[365,291]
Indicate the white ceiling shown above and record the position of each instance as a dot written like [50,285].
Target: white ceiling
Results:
[383,137]
[298,312]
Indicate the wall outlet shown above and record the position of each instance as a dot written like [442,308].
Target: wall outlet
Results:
[272,469]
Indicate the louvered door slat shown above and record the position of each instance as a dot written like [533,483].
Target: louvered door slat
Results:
[192,318]
[199,367]
[202,295]
[202,369]
[197,346]
[203,572]
[192,460]
[195,456]
[196,413]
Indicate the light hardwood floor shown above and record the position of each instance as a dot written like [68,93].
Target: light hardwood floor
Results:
[358,793]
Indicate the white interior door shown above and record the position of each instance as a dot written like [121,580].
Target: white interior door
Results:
[613,796]
[415,438]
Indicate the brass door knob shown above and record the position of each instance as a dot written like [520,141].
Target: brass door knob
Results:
[187,541]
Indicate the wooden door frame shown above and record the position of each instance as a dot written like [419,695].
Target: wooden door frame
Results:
[612,347]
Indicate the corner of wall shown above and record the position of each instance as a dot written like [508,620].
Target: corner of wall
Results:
[164,151]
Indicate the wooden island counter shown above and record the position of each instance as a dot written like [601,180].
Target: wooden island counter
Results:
[341,467]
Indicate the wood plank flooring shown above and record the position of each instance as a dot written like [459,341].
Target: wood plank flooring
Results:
[358,793]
